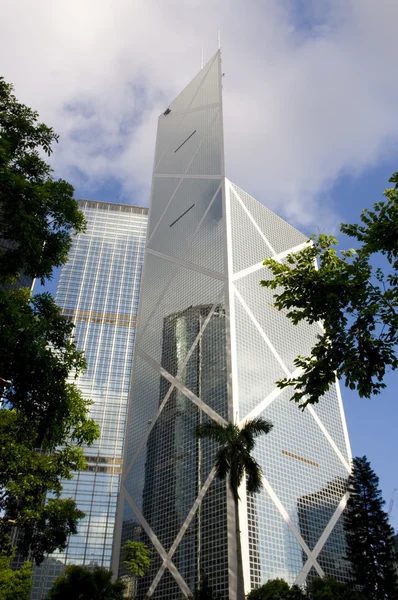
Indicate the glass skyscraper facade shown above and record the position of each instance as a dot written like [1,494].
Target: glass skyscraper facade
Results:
[98,289]
[211,345]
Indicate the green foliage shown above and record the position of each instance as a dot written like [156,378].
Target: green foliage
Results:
[319,589]
[82,583]
[38,214]
[14,584]
[137,558]
[43,417]
[41,409]
[356,303]
[370,548]
[276,589]
[204,591]
[330,589]
[38,354]
[233,459]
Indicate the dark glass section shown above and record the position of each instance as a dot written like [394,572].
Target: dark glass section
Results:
[177,463]
[314,513]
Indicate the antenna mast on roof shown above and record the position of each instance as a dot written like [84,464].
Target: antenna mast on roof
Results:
[219,39]
[201,59]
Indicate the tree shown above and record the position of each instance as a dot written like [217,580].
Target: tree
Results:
[356,302]
[137,560]
[319,589]
[233,461]
[370,548]
[204,591]
[38,354]
[43,421]
[43,417]
[80,583]
[15,584]
[38,214]
[276,589]
[329,589]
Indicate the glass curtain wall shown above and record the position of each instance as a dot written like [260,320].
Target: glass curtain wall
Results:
[211,345]
[98,290]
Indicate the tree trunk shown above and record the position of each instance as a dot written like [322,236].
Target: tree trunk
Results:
[240,587]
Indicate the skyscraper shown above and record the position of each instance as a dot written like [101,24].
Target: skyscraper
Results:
[211,345]
[98,289]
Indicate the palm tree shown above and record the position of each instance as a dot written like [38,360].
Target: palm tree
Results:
[233,461]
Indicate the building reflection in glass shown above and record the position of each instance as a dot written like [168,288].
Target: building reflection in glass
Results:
[177,463]
[314,513]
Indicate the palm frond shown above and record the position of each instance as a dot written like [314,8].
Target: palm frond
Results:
[236,474]
[254,475]
[252,429]
[256,427]
[222,463]
[212,431]
[233,457]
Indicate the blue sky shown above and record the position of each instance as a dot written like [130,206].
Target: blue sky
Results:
[310,111]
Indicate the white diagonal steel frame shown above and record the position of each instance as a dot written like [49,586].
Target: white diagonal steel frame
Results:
[291,525]
[183,389]
[252,219]
[156,543]
[183,529]
[177,263]
[300,580]
[206,133]
[262,333]
[231,295]
[172,387]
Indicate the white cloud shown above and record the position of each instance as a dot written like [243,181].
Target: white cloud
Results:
[306,97]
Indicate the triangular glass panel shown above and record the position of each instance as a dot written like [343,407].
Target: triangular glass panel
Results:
[258,369]
[208,245]
[148,391]
[288,340]
[209,92]
[303,470]
[167,134]
[178,225]
[280,234]
[248,247]
[157,276]
[184,99]
[171,329]
[328,410]
[205,373]
[274,549]
[163,189]
[188,138]
[208,161]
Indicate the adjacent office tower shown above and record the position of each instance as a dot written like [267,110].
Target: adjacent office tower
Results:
[211,345]
[98,289]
